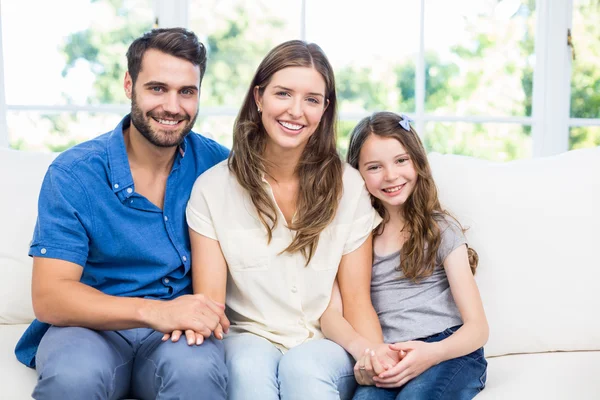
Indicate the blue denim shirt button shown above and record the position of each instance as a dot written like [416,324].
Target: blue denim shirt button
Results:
[43,251]
[116,186]
[129,190]
[184,258]
[166,218]
[166,280]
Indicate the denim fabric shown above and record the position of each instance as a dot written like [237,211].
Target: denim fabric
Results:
[317,369]
[456,379]
[78,363]
[90,214]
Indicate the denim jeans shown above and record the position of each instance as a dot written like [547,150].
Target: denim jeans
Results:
[317,369]
[456,379]
[79,363]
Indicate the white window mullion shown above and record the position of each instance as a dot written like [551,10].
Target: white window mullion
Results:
[420,76]
[551,80]
[3,123]
[303,21]
[172,13]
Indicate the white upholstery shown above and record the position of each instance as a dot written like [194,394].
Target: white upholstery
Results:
[534,224]
[547,376]
[21,175]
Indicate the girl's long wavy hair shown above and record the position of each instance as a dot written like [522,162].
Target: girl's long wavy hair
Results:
[320,166]
[422,210]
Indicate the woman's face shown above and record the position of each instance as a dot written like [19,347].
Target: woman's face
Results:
[291,107]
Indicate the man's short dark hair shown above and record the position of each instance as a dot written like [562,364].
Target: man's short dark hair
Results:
[178,42]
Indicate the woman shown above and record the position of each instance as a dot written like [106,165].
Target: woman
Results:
[273,226]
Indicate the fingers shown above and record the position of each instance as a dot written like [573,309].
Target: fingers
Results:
[166,337]
[377,367]
[219,332]
[394,371]
[175,335]
[404,346]
[395,382]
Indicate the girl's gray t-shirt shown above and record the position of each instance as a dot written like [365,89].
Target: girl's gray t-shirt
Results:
[409,310]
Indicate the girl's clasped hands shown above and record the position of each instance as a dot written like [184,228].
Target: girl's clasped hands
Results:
[393,365]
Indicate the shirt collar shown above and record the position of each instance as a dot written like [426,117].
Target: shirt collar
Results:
[120,171]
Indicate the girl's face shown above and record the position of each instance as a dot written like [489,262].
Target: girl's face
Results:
[292,105]
[388,171]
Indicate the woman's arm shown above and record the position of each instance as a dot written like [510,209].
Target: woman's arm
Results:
[209,268]
[336,328]
[209,277]
[354,278]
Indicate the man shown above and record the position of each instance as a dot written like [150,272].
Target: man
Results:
[111,251]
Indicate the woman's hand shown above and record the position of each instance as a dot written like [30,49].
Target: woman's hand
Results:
[419,357]
[193,338]
[374,362]
[367,367]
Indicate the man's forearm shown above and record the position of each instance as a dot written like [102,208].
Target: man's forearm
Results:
[72,303]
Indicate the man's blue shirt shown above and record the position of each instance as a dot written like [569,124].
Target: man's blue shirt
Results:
[90,214]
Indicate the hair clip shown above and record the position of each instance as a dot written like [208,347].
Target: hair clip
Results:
[405,122]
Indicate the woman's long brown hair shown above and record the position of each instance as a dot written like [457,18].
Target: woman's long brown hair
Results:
[320,167]
[422,210]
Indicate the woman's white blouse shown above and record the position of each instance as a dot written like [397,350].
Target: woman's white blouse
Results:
[275,295]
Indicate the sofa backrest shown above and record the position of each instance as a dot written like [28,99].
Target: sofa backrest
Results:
[536,226]
[21,175]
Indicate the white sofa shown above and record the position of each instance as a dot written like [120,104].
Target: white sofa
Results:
[534,223]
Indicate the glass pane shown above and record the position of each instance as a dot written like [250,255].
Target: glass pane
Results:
[585,78]
[373,59]
[65,59]
[56,132]
[581,137]
[343,137]
[238,34]
[219,128]
[479,57]
[497,142]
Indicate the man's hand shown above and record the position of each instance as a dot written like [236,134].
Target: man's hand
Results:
[419,357]
[197,315]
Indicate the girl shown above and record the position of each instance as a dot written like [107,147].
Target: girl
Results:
[422,286]
[272,226]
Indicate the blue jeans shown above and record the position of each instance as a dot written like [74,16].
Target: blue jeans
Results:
[81,363]
[456,379]
[317,369]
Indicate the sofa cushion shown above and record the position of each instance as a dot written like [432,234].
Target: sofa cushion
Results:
[21,175]
[16,380]
[536,226]
[548,376]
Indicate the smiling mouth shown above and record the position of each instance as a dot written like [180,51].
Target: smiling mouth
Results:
[168,122]
[290,126]
[393,189]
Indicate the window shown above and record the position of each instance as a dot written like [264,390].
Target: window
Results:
[487,78]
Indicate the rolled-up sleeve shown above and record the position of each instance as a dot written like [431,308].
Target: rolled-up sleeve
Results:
[64,218]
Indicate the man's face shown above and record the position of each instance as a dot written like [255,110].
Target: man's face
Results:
[164,98]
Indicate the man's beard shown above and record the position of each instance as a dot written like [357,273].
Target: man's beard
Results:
[159,139]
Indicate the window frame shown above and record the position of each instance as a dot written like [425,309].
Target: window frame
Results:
[550,119]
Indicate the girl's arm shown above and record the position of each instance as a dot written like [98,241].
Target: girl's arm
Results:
[468,338]
[474,332]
